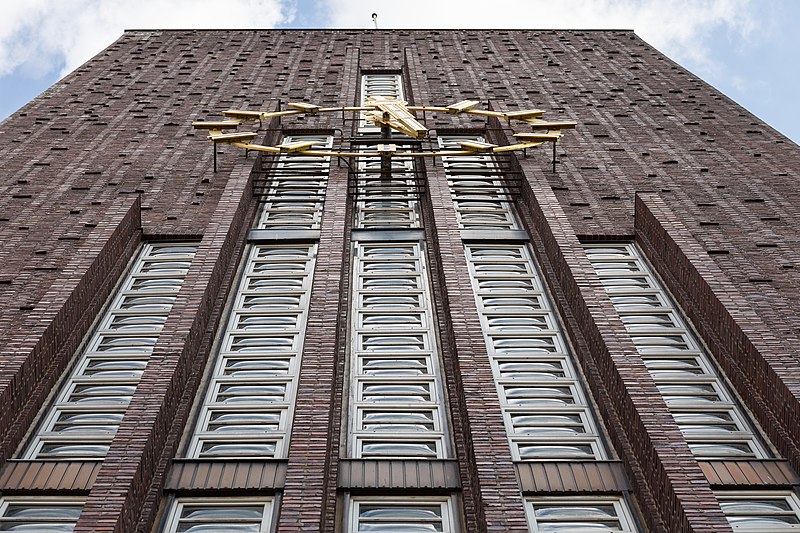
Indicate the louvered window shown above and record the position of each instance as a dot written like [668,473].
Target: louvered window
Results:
[574,515]
[400,514]
[479,196]
[396,391]
[91,403]
[378,85]
[295,190]
[710,417]
[42,514]
[386,203]
[247,410]
[546,412]
[772,511]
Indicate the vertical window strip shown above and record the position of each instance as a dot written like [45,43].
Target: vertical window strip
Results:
[569,515]
[405,513]
[249,403]
[711,419]
[90,405]
[480,199]
[296,191]
[190,515]
[546,411]
[772,511]
[378,85]
[386,203]
[547,415]
[40,513]
[396,396]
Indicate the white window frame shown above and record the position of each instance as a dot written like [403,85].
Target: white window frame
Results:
[372,193]
[623,512]
[493,191]
[281,209]
[392,87]
[430,378]
[38,501]
[604,257]
[446,505]
[554,445]
[173,518]
[203,434]
[84,374]
[787,496]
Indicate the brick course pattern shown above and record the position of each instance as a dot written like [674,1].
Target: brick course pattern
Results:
[107,158]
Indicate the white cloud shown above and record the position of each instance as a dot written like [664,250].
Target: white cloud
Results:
[679,28]
[39,36]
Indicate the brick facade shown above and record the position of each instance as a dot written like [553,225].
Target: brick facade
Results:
[107,158]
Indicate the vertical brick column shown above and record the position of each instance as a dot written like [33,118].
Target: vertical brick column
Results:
[35,357]
[491,490]
[761,366]
[309,497]
[313,449]
[657,458]
[491,495]
[122,485]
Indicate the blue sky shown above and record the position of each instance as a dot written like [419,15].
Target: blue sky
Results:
[748,49]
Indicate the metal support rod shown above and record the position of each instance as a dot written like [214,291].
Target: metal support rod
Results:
[554,157]
[386,160]
[386,167]
[432,140]
[215,157]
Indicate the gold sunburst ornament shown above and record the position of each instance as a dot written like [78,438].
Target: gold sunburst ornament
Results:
[390,114]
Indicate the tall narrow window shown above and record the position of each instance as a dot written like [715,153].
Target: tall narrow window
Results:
[383,202]
[480,199]
[248,407]
[545,407]
[91,403]
[396,394]
[295,192]
[378,85]
[41,514]
[397,401]
[201,515]
[711,419]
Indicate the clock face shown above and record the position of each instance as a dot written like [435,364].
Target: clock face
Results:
[391,115]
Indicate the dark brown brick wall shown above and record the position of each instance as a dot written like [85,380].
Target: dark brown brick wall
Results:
[310,493]
[120,125]
[110,149]
[492,497]
[657,457]
[122,484]
[761,366]
[40,337]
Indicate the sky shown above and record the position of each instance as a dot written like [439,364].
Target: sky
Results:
[748,49]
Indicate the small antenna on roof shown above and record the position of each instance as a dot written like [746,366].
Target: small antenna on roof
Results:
[375,20]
